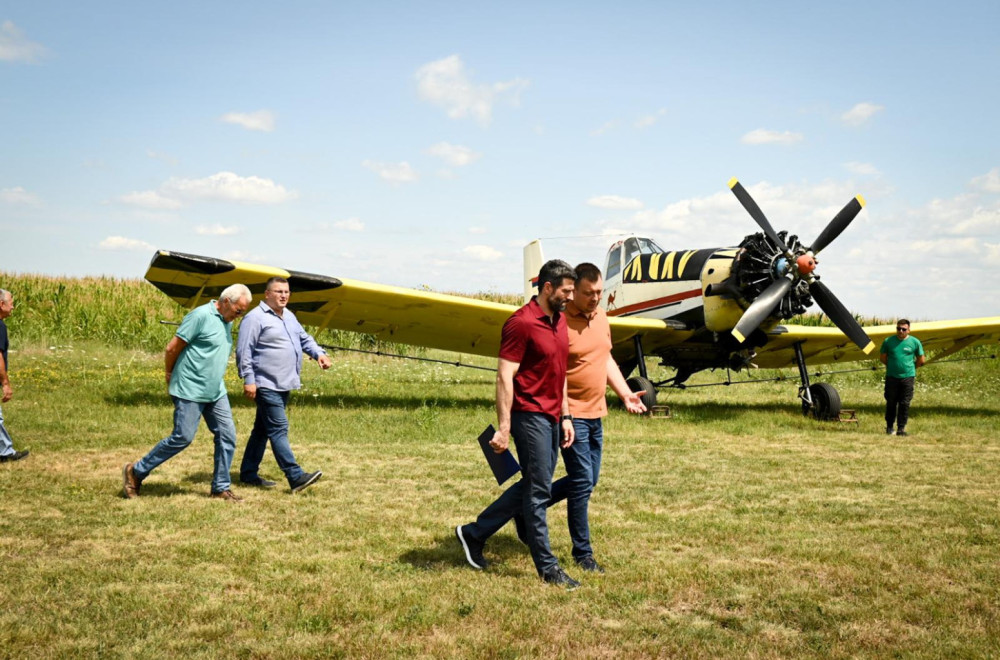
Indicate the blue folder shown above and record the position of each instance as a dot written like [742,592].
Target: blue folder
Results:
[504,465]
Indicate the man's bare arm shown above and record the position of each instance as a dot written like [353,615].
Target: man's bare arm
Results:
[170,355]
[505,400]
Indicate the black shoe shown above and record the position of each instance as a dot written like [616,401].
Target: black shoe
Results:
[558,577]
[473,550]
[902,432]
[306,480]
[258,482]
[16,456]
[590,565]
[889,431]
[522,531]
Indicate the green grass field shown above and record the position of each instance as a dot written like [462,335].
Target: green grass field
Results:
[736,528]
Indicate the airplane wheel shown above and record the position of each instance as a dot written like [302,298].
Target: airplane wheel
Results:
[826,401]
[640,384]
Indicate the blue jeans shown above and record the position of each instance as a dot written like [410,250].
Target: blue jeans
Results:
[271,422]
[6,444]
[536,438]
[219,418]
[583,467]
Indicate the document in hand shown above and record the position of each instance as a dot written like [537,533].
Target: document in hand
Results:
[504,465]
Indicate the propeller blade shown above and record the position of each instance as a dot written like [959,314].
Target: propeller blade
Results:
[751,206]
[838,224]
[840,316]
[761,308]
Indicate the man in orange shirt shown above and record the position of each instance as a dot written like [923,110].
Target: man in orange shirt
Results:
[590,371]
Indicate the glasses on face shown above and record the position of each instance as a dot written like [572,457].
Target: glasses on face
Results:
[899,329]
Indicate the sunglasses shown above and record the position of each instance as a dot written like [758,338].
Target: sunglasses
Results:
[898,329]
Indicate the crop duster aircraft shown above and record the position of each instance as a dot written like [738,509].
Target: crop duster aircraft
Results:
[692,309]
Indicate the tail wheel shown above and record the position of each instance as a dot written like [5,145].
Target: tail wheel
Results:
[640,384]
[826,401]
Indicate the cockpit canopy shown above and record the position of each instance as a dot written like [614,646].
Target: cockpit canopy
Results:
[622,252]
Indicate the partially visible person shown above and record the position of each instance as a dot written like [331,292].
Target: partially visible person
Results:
[901,354]
[532,407]
[195,360]
[590,371]
[269,358]
[7,451]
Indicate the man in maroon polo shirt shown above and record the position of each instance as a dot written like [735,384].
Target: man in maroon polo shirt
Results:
[533,408]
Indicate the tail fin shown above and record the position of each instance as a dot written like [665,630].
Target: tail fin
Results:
[533,260]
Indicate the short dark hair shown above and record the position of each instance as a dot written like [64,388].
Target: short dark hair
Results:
[272,280]
[554,272]
[905,322]
[587,271]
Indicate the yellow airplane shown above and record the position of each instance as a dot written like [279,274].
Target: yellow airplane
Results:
[694,310]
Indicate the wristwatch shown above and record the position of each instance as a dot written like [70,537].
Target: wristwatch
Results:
[566,418]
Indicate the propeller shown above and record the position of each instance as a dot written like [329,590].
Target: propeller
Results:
[751,206]
[840,316]
[838,224]
[799,266]
[761,308]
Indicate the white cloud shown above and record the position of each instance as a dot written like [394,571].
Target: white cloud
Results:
[989,182]
[615,202]
[862,169]
[15,47]
[993,253]
[350,224]
[483,252]
[216,230]
[478,230]
[122,243]
[607,126]
[764,136]
[446,83]
[454,154]
[861,113]
[648,120]
[261,120]
[150,199]
[166,158]
[17,195]
[223,187]
[228,187]
[946,247]
[392,172]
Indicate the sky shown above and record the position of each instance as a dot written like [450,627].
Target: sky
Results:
[424,144]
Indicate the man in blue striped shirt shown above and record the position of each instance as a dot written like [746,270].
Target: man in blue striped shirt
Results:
[269,358]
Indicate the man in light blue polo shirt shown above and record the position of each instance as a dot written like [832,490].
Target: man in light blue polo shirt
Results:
[196,360]
[269,358]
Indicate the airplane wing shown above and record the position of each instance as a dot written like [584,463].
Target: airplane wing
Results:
[830,345]
[392,314]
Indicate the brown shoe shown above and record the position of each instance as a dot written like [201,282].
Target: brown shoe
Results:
[130,483]
[227,495]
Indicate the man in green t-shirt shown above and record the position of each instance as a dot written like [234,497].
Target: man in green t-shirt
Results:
[195,361]
[901,354]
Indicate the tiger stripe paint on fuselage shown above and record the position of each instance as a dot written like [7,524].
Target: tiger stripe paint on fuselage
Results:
[666,266]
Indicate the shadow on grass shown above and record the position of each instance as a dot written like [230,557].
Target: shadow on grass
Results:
[447,554]
[718,410]
[344,401]
[159,489]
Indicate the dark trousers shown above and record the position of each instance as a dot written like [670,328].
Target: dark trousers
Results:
[536,438]
[898,394]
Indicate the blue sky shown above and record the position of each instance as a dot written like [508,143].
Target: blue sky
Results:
[423,144]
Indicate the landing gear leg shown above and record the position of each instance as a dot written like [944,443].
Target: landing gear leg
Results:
[800,360]
[641,383]
[821,400]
